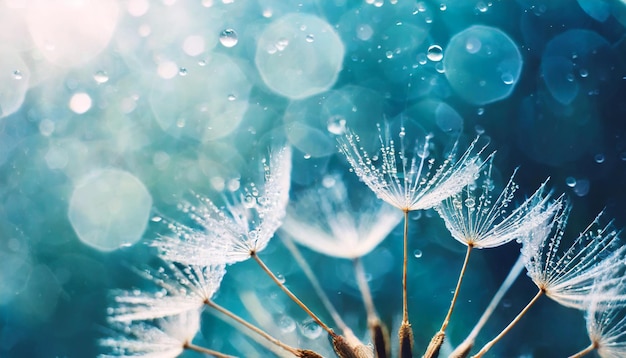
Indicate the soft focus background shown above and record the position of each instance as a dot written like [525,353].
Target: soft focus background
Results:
[111,112]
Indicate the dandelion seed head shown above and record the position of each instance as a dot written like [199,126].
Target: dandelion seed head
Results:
[605,316]
[326,220]
[479,217]
[246,222]
[410,182]
[180,290]
[162,338]
[567,275]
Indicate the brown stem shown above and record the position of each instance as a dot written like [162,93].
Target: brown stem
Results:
[405,310]
[193,347]
[290,294]
[252,327]
[293,249]
[464,348]
[432,350]
[490,344]
[456,290]
[592,347]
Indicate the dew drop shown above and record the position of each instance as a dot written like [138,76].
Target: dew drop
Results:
[443,7]
[336,125]
[281,44]
[231,97]
[156,219]
[481,6]
[328,181]
[228,38]
[101,77]
[417,253]
[310,329]
[249,202]
[307,156]
[310,38]
[280,278]
[434,53]
[182,72]
[583,72]
[570,181]
[17,74]
[507,78]
[599,158]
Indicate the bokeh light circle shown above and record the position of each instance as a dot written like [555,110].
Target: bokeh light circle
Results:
[299,55]
[70,33]
[482,64]
[207,103]
[578,62]
[109,209]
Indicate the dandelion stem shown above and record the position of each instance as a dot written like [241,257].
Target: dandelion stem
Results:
[592,347]
[456,290]
[405,310]
[405,333]
[438,338]
[490,344]
[290,294]
[468,343]
[193,347]
[252,327]
[378,331]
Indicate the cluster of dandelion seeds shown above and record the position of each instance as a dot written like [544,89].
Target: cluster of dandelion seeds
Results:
[587,275]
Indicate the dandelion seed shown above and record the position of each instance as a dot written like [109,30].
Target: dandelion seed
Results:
[409,183]
[476,218]
[232,233]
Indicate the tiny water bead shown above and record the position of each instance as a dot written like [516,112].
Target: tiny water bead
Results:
[101,77]
[435,53]
[417,254]
[599,158]
[310,329]
[336,125]
[229,38]
[17,74]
